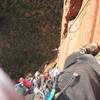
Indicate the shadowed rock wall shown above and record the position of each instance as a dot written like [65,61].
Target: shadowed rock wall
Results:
[29,30]
[82,30]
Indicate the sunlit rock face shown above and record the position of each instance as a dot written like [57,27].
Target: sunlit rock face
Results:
[81,30]
[29,30]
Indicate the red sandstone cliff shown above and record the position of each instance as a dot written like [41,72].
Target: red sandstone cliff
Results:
[80,26]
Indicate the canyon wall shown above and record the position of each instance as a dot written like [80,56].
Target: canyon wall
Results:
[83,28]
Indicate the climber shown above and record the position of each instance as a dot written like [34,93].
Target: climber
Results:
[87,87]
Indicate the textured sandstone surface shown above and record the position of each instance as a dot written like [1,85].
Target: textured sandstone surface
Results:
[84,29]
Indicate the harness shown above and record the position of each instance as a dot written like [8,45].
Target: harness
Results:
[52,94]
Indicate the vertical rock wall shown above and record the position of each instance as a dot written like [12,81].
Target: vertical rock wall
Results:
[29,31]
[84,29]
